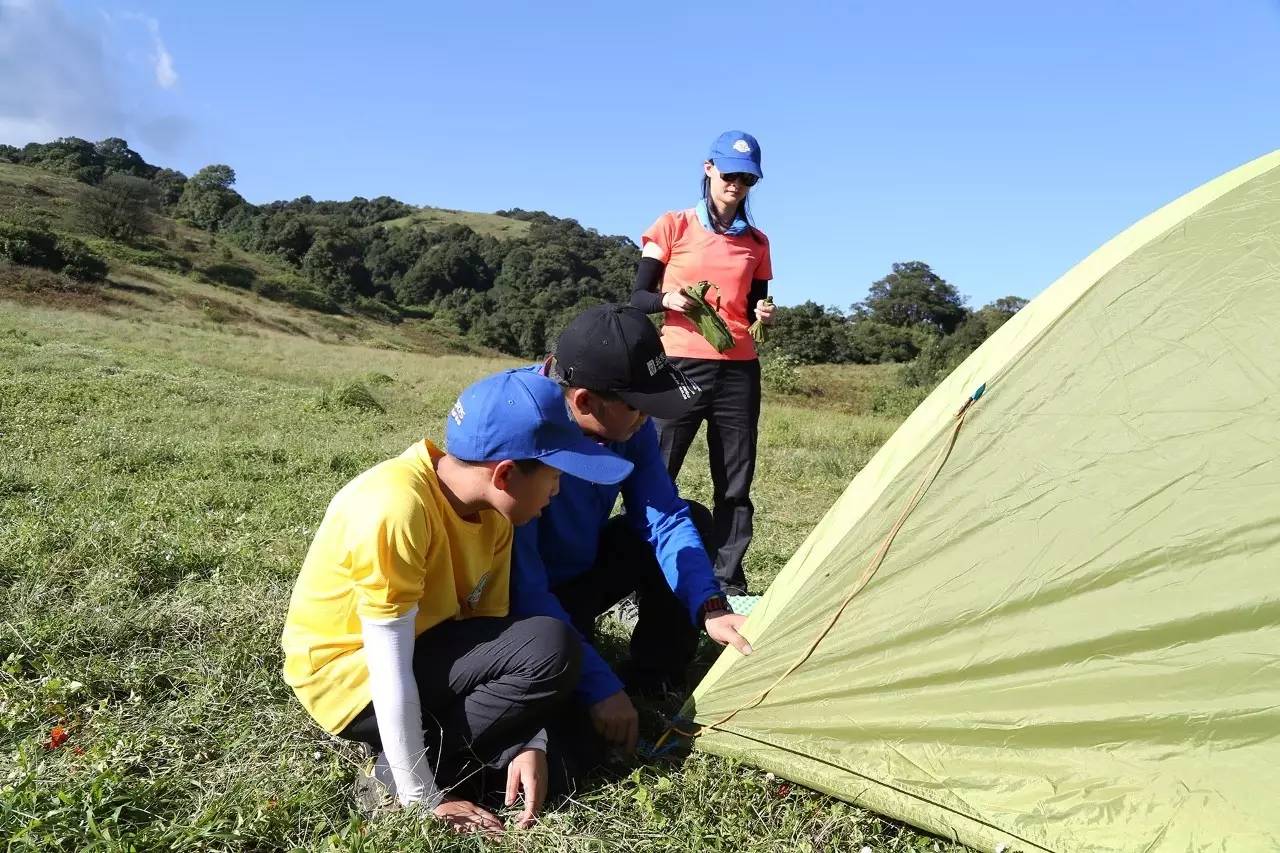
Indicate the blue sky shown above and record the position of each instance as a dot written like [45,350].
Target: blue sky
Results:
[999,142]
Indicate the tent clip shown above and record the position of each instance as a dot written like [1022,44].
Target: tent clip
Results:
[973,398]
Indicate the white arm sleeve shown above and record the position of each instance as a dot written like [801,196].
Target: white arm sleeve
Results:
[388,649]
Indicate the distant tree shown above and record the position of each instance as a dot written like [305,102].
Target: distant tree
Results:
[444,267]
[914,295]
[1007,305]
[334,264]
[939,357]
[70,155]
[118,158]
[287,236]
[169,183]
[120,207]
[10,154]
[810,333]
[979,326]
[240,224]
[218,176]
[868,341]
[207,196]
[392,252]
[363,211]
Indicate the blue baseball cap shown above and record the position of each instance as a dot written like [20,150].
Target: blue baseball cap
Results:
[519,414]
[736,151]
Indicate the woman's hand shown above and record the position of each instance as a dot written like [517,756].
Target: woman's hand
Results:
[764,312]
[674,300]
[465,817]
[527,773]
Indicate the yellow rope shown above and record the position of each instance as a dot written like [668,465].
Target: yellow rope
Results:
[863,580]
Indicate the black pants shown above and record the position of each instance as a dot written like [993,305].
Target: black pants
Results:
[730,404]
[665,639]
[487,686]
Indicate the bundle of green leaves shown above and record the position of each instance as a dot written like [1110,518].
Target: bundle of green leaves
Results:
[706,316]
[757,329]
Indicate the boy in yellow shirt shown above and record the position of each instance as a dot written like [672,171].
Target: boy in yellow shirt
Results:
[397,633]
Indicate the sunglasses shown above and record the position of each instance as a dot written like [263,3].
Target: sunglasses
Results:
[744,178]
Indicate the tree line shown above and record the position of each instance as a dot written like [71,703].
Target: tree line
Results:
[513,294]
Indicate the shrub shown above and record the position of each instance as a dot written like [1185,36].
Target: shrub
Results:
[271,288]
[928,368]
[37,280]
[312,300]
[29,245]
[353,395]
[142,257]
[898,400]
[292,291]
[232,275]
[778,373]
[79,262]
[377,309]
[38,247]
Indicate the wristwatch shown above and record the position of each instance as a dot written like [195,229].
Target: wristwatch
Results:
[711,605]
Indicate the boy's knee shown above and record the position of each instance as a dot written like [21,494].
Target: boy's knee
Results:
[557,650]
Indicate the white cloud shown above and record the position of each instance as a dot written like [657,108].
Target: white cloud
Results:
[85,75]
[166,76]
[55,74]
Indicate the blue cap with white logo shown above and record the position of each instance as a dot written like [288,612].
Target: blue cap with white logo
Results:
[520,414]
[736,151]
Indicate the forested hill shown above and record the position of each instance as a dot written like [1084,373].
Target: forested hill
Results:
[508,280]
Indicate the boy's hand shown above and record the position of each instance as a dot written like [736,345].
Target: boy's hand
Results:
[465,817]
[527,772]
[616,720]
[722,626]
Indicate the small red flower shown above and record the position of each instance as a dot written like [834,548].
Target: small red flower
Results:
[784,789]
[57,737]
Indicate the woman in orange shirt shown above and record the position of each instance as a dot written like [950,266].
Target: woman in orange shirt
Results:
[715,241]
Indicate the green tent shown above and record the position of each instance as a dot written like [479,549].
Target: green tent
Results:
[1073,640]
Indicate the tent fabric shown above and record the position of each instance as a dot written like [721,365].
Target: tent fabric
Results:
[1074,641]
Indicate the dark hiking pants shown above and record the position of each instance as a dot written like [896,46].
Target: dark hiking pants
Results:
[487,686]
[730,404]
[665,639]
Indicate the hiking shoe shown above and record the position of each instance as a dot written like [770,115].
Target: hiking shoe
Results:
[648,683]
[626,612]
[374,788]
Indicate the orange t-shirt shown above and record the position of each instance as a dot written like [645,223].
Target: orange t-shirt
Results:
[693,254]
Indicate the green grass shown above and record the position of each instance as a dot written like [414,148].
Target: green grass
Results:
[435,218]
[161,475]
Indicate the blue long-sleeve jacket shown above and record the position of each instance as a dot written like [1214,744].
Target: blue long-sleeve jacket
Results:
[562,544]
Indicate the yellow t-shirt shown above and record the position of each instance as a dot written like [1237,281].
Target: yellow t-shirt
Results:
[389,540]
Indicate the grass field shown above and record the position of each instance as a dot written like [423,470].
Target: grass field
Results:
[162,469]
[435,218]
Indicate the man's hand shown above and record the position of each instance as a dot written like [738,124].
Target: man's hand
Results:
[527,772]
[616,720]
[764,311]
[463,816]
[722,626]
[674,300]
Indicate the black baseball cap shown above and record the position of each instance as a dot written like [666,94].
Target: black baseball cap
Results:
[615,348]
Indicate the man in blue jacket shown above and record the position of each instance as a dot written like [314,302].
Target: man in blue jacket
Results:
[574,562]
